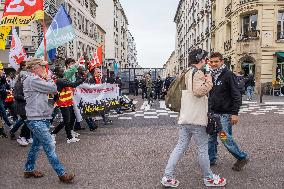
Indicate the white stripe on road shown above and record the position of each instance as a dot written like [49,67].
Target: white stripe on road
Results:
[126,118]
[143,105]
[151,117]
[162,104]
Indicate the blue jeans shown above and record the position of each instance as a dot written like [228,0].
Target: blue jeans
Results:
[186,132]
[17,125]
[42,137]
[3,113]
[249,92]
[227,139]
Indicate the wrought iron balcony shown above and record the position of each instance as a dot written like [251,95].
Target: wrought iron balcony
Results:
[201,36]
[207,31]
[198,39]
[247,1]
[228,9]
[249,35]
[228,45]
[213,24]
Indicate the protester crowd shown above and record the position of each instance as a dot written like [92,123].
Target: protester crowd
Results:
[151,89]
[209,108]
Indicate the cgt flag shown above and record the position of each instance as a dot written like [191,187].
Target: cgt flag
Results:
[17,52]
[59,32]
[22,12]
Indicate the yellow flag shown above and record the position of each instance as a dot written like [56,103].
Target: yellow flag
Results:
[4,32]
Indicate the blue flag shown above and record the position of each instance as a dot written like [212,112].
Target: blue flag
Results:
[115,68]
[59,32]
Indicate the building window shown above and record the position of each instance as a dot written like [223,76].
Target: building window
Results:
[249,27]
[280,26]
[280,70]
[249,23]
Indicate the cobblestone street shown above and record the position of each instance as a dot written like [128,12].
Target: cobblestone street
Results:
[132,153]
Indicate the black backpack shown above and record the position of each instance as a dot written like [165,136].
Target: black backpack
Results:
[241,84]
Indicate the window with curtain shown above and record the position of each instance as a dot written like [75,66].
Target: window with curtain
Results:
[280,26]
[249,25]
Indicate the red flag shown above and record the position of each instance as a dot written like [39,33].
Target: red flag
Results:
[7,2]
[97,59]
[100,56]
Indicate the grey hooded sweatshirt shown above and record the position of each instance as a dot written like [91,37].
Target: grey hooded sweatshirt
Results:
[36,91]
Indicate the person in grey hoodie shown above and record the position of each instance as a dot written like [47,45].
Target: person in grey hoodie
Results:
[37,87]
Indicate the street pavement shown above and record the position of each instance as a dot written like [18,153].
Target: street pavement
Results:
[132,153]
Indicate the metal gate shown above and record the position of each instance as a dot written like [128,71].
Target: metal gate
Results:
[127,76]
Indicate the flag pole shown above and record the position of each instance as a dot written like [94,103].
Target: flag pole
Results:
[44,40]
[44,44]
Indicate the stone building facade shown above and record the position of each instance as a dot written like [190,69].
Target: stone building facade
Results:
[250,35]
[111,17]
[131,51]
[193,20]
[171,66]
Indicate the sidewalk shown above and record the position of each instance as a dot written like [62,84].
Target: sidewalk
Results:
[266,100]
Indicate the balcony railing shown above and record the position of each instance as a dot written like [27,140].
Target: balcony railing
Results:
[36,40]
[246,1]
[228,9]
[249,35]
[228,45]
[207,31]
[201,36]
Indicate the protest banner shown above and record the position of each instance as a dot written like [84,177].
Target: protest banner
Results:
[90,100]
[22,12]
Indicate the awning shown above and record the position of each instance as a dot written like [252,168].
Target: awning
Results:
[280,54]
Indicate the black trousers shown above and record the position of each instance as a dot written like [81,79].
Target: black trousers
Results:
[136,91]
[10,106]
[68,121]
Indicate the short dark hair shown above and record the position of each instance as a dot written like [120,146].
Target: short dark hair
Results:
[217,55]
[56,70]
[68,61]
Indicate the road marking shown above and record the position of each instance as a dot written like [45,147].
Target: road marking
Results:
[162,104]
[125,118]
[151,117]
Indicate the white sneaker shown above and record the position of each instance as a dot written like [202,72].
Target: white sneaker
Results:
[30,140]
[215,180]
[22,141]
[53,138]
[74,134]
[72,140]
[169,183]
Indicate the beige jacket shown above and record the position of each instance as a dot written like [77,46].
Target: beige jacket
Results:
[201,86]
[194,105]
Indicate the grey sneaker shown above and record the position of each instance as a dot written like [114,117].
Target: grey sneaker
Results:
[239,165]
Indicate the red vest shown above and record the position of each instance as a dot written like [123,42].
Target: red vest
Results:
[9,97]
[65,97]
